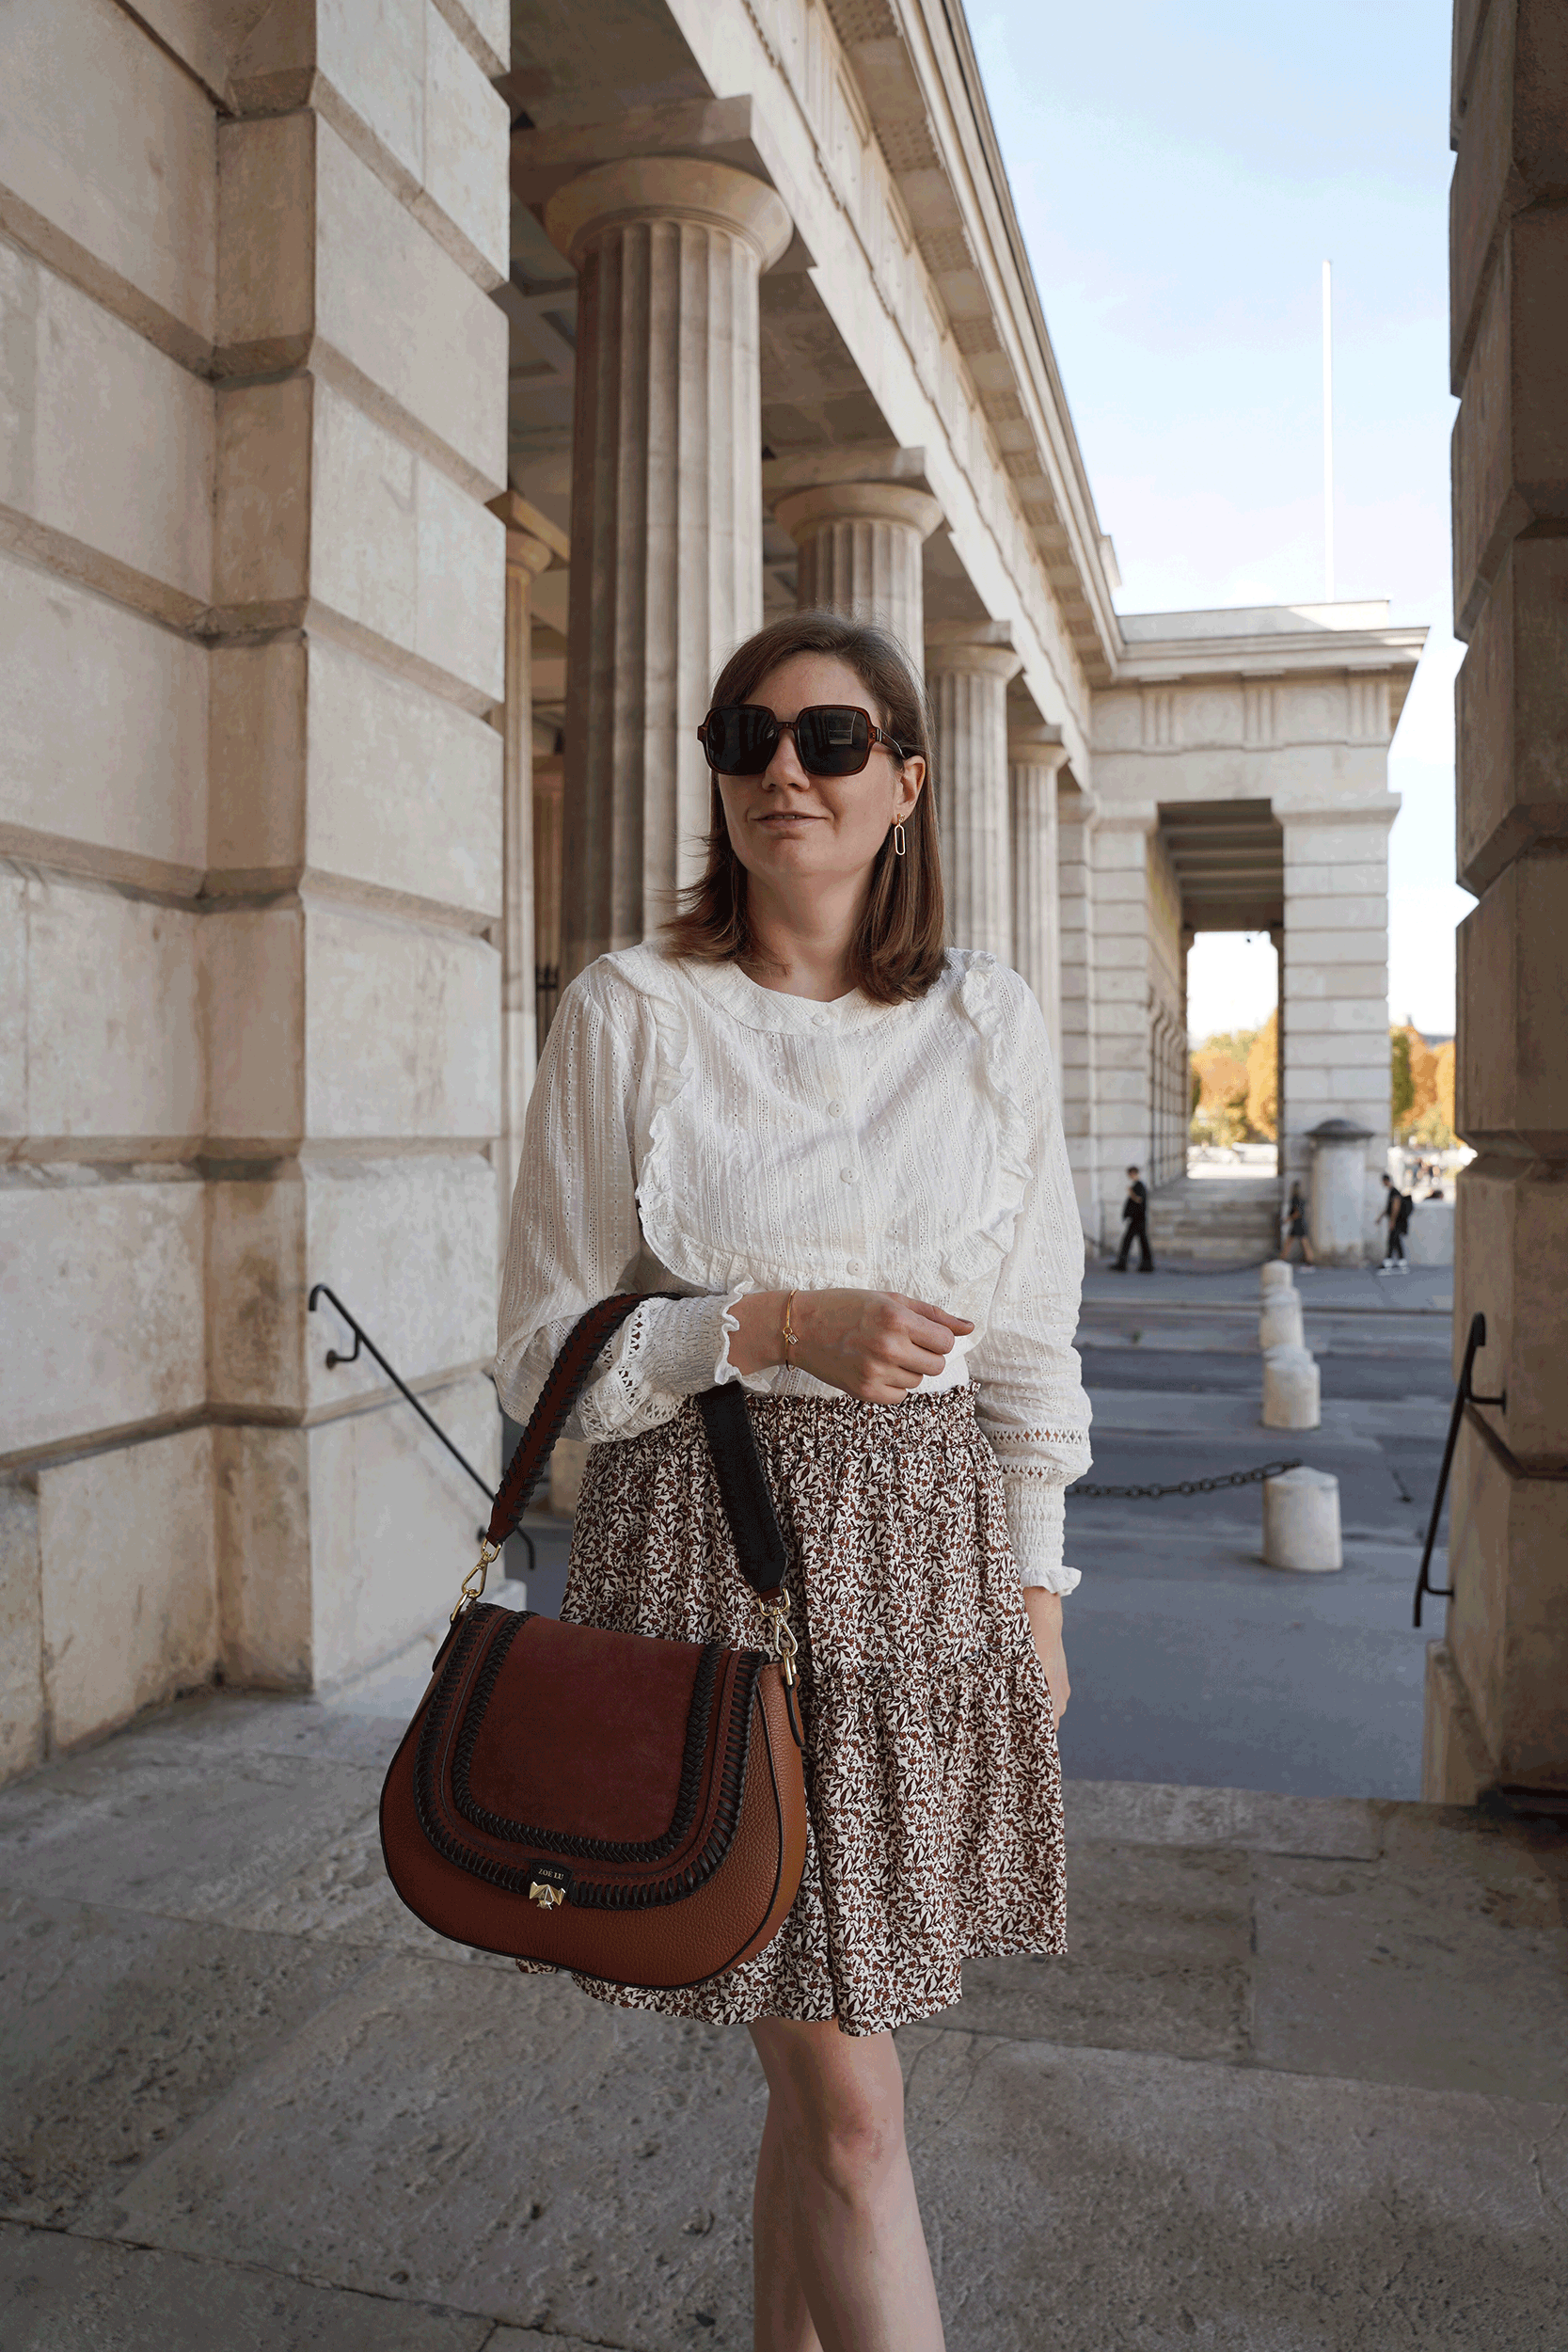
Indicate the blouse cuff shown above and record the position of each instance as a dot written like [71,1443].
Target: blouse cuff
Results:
[1036,1517]
[667,1350]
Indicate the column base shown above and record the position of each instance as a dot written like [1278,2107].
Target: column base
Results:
[1456,1765]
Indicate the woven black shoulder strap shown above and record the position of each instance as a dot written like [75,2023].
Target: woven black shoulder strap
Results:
[743,1488]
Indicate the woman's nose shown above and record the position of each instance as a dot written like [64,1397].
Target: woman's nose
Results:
[784,767]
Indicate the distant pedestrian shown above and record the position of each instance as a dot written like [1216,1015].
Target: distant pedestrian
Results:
[1134,1225]
[1295,1227]
[1395,1214]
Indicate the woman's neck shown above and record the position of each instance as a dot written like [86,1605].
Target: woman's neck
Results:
[801,949]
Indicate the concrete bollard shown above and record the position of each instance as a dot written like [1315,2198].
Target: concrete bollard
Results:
[1301,1520]
[1292,1390]
[1280,1324]
[1274,1275]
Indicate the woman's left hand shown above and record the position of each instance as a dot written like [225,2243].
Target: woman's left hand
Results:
[1045,1623]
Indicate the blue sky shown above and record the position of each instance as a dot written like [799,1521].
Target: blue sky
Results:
[1180,173]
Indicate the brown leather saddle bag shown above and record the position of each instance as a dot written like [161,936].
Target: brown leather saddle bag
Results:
[629,1807]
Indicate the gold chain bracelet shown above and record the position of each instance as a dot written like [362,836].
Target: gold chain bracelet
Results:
[791,1337]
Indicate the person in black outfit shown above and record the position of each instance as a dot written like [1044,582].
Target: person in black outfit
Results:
[1396,1206]
[1134,1224]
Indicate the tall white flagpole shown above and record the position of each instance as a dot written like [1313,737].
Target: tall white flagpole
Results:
[1328,435]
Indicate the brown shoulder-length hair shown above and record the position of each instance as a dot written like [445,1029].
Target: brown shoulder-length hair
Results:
[897,948]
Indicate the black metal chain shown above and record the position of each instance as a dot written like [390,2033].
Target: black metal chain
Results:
[1187,1486]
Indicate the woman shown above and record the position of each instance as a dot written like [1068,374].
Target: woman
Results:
[842,1146]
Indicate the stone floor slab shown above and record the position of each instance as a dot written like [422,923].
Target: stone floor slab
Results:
[498,2144]
[1134,1812]
[1440,1965]
[1159,1959]
[61,2294]
[121,2029]
[163,1827]
[1085,2199]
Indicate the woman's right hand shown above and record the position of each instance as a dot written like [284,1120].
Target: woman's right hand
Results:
[876,1346]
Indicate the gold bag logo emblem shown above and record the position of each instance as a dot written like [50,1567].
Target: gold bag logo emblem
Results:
[545,1896]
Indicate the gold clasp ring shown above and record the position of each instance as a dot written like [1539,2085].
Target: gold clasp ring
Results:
[785,1646]
[470,1591]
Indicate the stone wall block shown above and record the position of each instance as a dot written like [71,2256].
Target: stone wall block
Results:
[101,1305]
[1511,1265]
[1506,1627]
[404,1028]
[104,441]
[14,894]
[389,1511]
[21,1711]
[374,268]
[381,80]
[261,1495]
[1512,711]
[258,1279]
[1511,437]
[103,720]
[461,614]
[468,129]
[409,1244]
[399,551]
[114,1039]
[253,984]
[257,762]
[267,209]
[405,786]
[1513,1072]
[126,201]
[263,553]
[484,28]
[130,1602]
[1515,146]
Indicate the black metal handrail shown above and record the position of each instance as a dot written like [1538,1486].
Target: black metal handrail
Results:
[1463,1395]
[363,1339]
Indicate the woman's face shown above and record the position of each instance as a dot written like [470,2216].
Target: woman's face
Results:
[788,827]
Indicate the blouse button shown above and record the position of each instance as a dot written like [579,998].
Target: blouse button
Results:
[835,1110]
[820,1021]
[851,1266]
[848,1176]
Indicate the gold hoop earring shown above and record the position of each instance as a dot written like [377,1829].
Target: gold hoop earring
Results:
[900,845]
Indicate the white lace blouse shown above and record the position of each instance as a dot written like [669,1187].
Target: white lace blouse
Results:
[690,1130]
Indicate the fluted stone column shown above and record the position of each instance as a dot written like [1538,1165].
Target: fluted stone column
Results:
[860,545]
[666,572]
[532,543]
[1035,755]
[967,664]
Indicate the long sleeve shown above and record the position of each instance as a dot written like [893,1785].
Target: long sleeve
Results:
[1032,1404]
[575,1235]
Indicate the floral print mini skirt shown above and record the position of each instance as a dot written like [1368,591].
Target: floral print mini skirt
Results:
[931,1769]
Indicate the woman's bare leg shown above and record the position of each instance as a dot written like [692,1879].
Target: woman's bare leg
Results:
[840,2212]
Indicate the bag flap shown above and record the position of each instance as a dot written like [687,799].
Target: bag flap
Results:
[586,1741]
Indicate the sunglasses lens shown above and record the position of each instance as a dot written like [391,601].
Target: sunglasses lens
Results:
[834,739]
[740,738]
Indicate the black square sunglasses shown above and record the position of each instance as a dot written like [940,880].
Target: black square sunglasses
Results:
[830,738]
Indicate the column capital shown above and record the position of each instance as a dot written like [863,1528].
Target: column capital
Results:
[533,541]
[1035,743]
[800,512]
[984,649]
[668,187]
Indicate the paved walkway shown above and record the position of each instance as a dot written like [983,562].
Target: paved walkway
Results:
[1303,2083]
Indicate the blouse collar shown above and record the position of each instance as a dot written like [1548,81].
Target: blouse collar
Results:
[756,1008]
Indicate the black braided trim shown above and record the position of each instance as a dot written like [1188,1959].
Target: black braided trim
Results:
[514,1881]
[557,1841]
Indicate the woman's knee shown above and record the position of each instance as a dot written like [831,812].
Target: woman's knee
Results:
[840,2112]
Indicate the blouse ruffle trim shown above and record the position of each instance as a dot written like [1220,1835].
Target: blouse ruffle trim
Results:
[692,1259]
